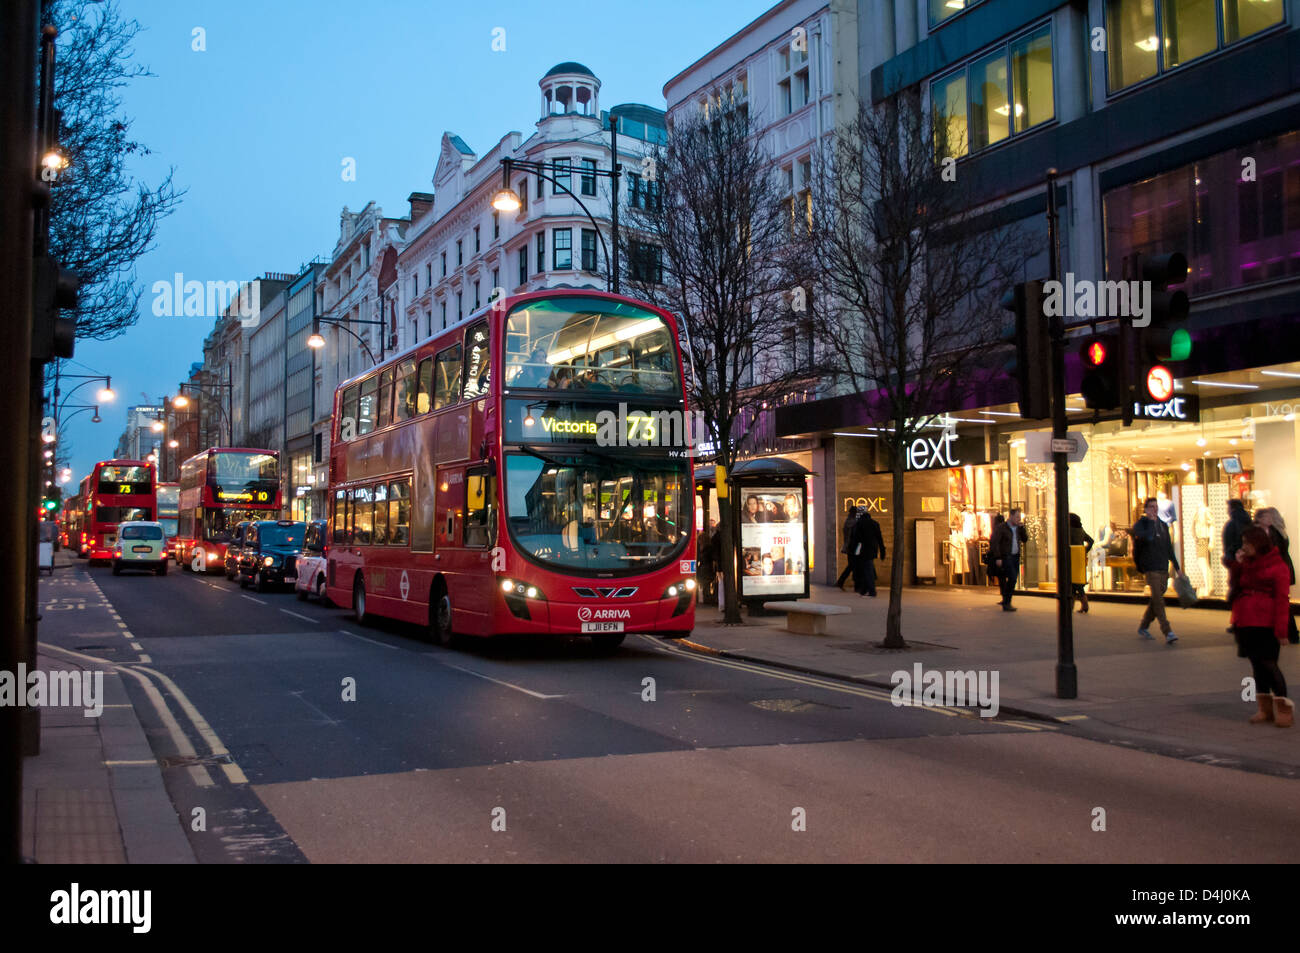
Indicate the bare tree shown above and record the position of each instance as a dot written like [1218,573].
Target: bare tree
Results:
[710,239]
[102,219]
[911,284]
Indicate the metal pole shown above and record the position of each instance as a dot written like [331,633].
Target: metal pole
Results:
[612,284]
[17,190]
[1067,675]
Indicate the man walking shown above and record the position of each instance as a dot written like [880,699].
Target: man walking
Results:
[1006,546]
[1238,522]
[866,541]
[847,532]
[1153,551]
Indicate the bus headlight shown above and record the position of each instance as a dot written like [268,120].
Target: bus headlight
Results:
[268,561]
[681,591]
[517,595]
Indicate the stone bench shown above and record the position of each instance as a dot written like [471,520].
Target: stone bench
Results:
[806,618]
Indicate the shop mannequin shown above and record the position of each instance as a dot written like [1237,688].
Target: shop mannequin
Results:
[1203,532]
[970,532]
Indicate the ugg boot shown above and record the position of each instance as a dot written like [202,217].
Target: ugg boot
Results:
[1283,711]
[1265,713]
[1085,603]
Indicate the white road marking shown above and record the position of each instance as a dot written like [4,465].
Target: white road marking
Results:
[329,719]
[251,599]
[198,772]
[298,615]
[200,723]
[384,645]
[497,681]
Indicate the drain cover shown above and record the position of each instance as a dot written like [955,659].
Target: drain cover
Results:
[176,761]
[792,704]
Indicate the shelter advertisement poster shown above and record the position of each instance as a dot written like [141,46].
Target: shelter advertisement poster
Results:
[772,557]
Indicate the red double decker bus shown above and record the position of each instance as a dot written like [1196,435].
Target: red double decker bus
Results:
[474,489]
[219,488]
[117,491]
[169,498]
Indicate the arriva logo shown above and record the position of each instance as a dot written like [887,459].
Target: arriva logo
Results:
[601,615]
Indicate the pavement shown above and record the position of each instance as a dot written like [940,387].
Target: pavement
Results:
[1182,700]
[95,793]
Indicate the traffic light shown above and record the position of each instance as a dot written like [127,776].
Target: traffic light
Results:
[49,506]
[1165,338]
[53,334]
[1103,377]
[1033,350]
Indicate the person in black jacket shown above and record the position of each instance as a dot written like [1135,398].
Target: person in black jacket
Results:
[1153,551]
[1238,520]
[867,542]
[1007,548]
[1079,537]
[846,531]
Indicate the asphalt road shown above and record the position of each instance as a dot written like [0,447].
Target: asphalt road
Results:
[304,736]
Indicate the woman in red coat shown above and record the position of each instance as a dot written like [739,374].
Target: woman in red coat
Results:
[1261,606]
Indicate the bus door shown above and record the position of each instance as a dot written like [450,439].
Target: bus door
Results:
[479,539]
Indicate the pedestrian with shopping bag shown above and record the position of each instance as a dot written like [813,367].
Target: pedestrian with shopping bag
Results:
[1079,566]
[1260,609]
[846,547]
[867,542]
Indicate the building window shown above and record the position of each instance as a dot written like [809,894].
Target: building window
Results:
[792,87]
[460,253]
[477,299]
[999,95]
[541,251]
[428,274]
[496,282]
[460,306]
[523,195]
[415,287]
[496,224]
[560,172]
[477,244]
[1146,38]
[444,264]
[647,263]
[444,315]
[562,256]
[1234,233]
[588,249]
[523,265]
[588,177]
[428,323]
[941,10]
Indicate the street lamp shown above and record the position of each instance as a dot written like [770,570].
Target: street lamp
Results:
[505,199]
[181,401]
[316,341]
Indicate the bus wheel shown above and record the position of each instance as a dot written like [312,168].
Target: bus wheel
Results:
[607,642]
[196,563]
[359,600]
[441,628]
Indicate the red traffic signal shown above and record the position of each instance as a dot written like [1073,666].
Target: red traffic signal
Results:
[1095,352]
[1101,386]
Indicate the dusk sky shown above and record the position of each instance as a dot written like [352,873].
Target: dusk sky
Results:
[257,127]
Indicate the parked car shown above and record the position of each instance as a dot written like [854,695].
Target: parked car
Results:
[311,564]
[233,547]
[269,554]
[140,545]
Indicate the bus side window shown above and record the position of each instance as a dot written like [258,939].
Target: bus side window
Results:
[339,525]
[385,398]
[404,392]
[349,410]
[399,513]
[367,406]
[362,515]
[478,375]
[478,509]
[447,379]
[424,396]
[380,495]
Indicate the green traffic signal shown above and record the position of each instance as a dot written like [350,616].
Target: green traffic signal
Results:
[1180,345]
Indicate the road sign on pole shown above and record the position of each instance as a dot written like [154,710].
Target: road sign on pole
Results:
[1039,447]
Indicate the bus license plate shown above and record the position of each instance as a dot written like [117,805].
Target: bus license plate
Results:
[140,549]
[602,627]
